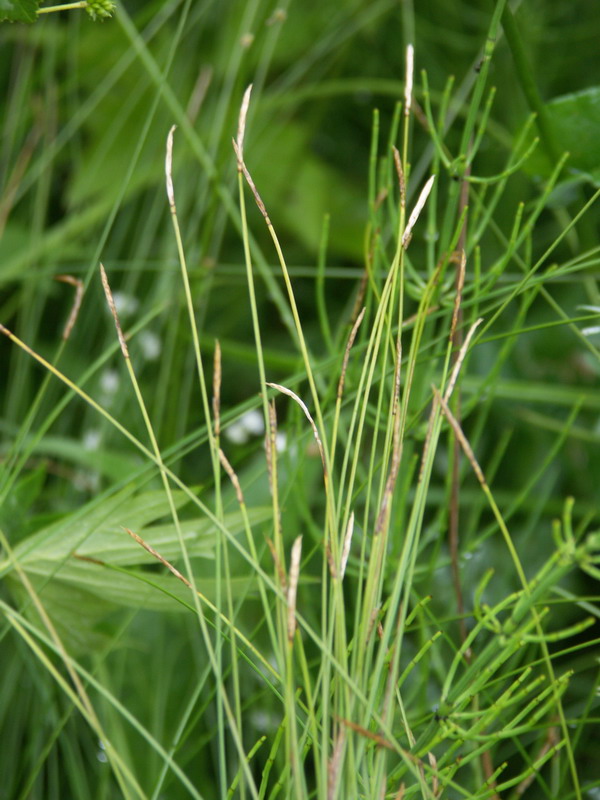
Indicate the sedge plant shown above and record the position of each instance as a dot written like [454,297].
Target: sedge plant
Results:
[345,606]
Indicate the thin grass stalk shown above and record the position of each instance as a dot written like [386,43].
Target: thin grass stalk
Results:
[13,464]
[251,544]
[220,557]
[297,323]
[403,238]
[355,434]
[229,622]
[331,537]
[103,692]
[277,544]
[123,775]
[200,151]
[216,404]
[213,656]
[410,543]
[521,574]
[342,380]
[149,455]
[191,315]
[320,289]
[239,148]
[79,695]
[334,631]
[298,784]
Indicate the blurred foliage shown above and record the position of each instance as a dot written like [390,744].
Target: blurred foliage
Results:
[85,111]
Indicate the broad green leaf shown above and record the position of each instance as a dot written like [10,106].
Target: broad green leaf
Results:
[123,509]
[82,598]
[69,562]
[99,587]
[100,534]
[18,10]
[575,119]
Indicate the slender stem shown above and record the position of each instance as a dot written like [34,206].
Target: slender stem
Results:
[65,7]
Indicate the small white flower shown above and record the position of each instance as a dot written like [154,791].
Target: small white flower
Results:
[110,381]
[150,344]
[253,422]
[249,424]
[91,440]
[126,304]
[280,441]
[236,433]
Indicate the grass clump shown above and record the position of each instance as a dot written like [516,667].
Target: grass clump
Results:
[338,539]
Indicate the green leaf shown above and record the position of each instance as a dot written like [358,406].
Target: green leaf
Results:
[97,532]
[19,10]
[81,564]
[575,119]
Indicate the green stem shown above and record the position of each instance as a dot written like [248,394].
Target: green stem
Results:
[65,7]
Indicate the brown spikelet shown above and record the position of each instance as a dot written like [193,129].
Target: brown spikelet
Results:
[158,556]
[435,783]
[279,567]
[331,562]
[460,282]
[351,339]
[113,311]
[232,476]
[270,445]
[362,290]
[400,173]
[459,360]
[374,737]
[257,198]
[76,302]
[333,767]
[464,442]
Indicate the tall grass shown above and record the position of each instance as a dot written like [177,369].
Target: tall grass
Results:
[337,540]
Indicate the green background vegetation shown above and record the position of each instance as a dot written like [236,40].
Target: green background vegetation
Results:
[85,112]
